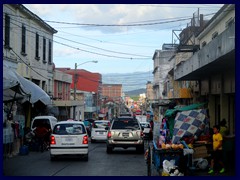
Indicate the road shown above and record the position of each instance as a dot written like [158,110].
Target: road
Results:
[120,163]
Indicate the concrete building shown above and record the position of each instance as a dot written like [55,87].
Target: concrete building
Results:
[28,49]
[28,45]
[112,91]
[88,89]
[213,66]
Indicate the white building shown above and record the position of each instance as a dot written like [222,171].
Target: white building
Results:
[28,45]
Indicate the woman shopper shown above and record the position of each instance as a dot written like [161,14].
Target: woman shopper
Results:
[217,151]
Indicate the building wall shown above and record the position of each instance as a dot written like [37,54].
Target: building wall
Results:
[150,93]
[112,90]
[214,66]
[38,70]
[219,24]
[162,66]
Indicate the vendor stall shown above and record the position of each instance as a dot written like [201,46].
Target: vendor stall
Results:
[180,128]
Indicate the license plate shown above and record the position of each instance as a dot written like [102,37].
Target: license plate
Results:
[100,132]
[125,134]
[68,139]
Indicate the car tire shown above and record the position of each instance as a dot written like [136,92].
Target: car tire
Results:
[140,149]
[109,149]
[93,141]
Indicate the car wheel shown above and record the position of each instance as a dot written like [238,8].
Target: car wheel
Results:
[93,141]
[109,149]
[140,149]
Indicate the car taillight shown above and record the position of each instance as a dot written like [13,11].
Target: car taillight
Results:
[52,140]
[85,139]
[109,135]
[141,134]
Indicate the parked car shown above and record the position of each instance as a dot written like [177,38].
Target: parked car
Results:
[125,132]
[48,121]
[69,138]
[147,130]
[98,131]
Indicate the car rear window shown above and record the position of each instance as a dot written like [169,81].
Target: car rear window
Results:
[43,122]
[126,124]
[100,125]
[68,129]
[145,125]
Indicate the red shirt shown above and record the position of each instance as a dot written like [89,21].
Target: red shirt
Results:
[41,131]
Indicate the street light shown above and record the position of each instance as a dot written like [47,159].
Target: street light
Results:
[75,80]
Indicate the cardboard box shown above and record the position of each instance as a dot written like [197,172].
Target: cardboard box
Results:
[200,152]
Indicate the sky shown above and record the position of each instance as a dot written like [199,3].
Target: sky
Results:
[121,37]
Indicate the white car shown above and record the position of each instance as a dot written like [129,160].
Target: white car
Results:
[147,130]
[69,138]
[98,131]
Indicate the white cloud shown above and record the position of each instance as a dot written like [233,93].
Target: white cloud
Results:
[117,14]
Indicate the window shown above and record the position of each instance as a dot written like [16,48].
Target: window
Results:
[50,52]
[44,85]
[204,43]
[23,50]
[59,90]
[229,22]
[7,31]
[37,47]
[214,35]
[44,50]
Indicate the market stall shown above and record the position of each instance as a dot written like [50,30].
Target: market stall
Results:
[183,140]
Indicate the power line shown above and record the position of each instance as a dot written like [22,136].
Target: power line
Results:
[101,48]
[27,63]
[118,25]
[76,48]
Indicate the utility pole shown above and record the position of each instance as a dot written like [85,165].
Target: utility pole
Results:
[75,90]
[75,84]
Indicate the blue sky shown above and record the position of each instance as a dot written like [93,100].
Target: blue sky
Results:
[118,48]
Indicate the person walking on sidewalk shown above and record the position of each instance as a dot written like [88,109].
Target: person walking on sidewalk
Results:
[217,151]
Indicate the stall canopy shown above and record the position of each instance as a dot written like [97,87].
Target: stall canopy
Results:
[12,88]
[15,86]
[170,114]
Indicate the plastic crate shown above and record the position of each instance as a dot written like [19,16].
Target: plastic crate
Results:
[23,150]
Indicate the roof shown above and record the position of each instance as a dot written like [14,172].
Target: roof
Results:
[34,16]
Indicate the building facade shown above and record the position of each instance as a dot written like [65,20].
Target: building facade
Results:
[213,66]
[28,49]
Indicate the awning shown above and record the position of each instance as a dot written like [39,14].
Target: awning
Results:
[12,88]
[15,86]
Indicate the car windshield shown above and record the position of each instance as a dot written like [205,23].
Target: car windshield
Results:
[100,124]
[68,129]
[125,124]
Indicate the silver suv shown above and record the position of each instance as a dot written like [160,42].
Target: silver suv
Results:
[125,132]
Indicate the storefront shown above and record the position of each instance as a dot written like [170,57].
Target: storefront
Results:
[20,98]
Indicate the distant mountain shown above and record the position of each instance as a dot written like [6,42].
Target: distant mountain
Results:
[130,81]
[135,92]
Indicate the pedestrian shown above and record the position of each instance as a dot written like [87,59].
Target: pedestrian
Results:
[217,151]
[42,135]
[223,128]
